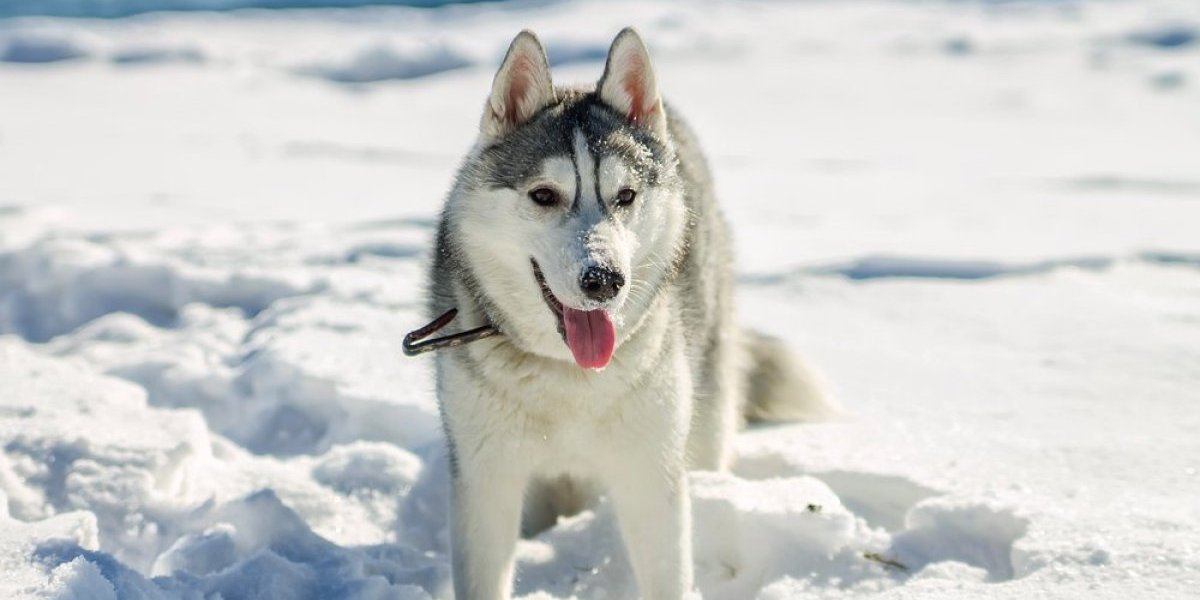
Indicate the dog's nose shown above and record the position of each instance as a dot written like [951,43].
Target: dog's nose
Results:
[600,283]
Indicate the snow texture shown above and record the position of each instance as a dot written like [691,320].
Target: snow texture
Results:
[39,49]
[977,219]
[124,8]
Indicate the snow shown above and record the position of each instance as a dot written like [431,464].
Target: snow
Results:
[976,219]
[123,8]
[380,63]
[38,49]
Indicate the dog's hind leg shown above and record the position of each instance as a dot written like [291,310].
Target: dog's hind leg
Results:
[715,410]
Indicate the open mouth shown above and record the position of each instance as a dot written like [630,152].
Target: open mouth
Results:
[556,307]
[589,334]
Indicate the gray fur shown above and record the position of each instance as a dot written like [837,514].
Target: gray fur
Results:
[514,159]
[515,411]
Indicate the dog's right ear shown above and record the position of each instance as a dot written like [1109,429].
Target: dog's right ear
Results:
[521,88]
[628,84]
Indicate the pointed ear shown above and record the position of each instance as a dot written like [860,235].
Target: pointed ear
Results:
[628,83]
[521,88]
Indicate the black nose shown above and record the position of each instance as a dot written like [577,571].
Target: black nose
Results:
[600,283]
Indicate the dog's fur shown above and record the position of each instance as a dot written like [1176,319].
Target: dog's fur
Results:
[521,417]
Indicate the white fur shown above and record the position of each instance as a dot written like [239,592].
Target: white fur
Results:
[532,413]
[518,408]
[530,417]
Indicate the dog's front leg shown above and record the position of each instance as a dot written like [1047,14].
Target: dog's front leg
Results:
[487,495]
[649,487]
[654,511]
[647,478]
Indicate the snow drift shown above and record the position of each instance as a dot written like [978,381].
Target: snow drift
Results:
[977,218]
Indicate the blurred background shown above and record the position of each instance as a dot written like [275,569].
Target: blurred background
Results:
[980,219]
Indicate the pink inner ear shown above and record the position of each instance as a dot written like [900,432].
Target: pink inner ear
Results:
[635,85]
[519,81]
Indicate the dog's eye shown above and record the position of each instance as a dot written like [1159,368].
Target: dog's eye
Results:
[625,197]
[544,196]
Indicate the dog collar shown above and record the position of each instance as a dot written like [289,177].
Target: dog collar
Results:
[414,346]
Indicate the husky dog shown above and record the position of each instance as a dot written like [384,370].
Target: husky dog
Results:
[582,226]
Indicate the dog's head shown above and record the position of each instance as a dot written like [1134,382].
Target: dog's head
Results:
[569,211]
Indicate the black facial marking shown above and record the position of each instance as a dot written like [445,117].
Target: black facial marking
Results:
[512,160]
[596,170]
[578,179]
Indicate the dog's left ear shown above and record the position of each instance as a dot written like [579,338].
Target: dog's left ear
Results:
[628,83]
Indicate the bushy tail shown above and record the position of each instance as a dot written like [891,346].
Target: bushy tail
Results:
[780,386]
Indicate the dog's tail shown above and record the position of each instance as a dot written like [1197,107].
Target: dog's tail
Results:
[780,386]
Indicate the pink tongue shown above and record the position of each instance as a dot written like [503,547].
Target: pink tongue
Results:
[591,336]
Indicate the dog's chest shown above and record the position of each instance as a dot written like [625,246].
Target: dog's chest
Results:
[551,415]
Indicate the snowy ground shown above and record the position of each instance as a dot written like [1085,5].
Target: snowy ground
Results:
[980,221]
